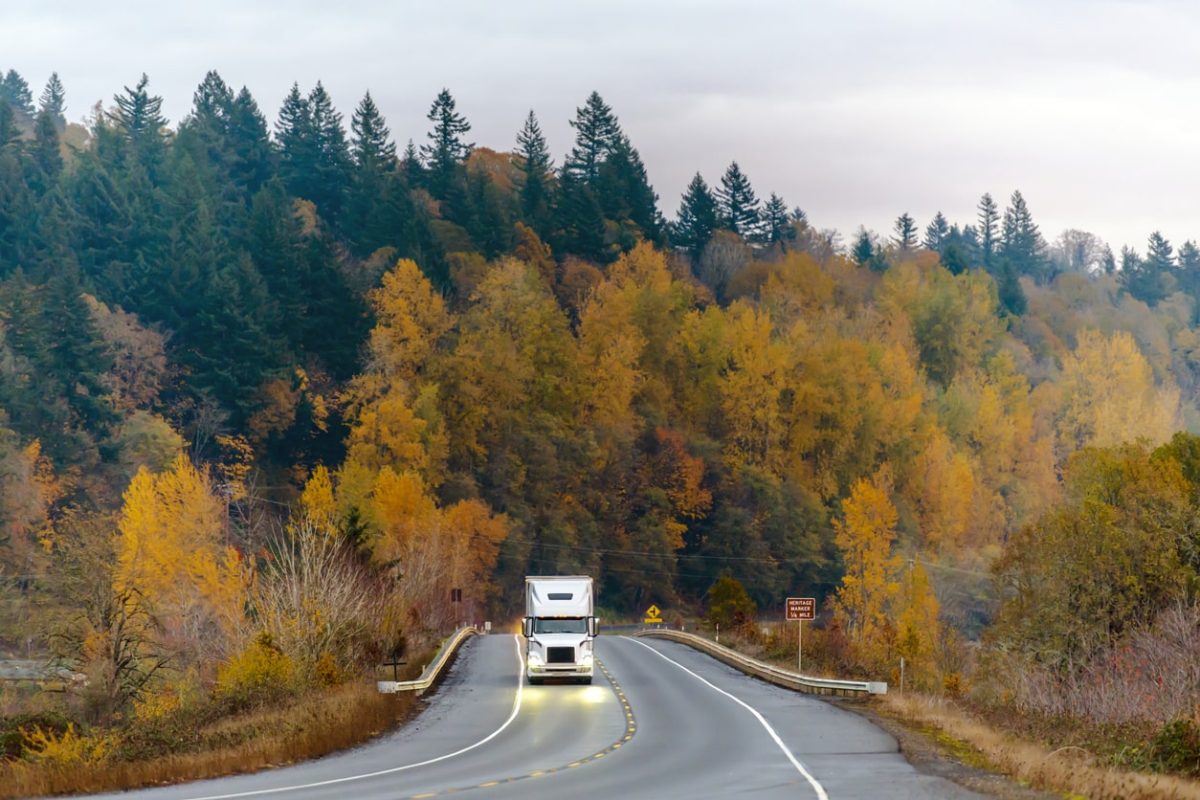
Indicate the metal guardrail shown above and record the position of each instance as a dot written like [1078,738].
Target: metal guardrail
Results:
[432,671]
[768,672]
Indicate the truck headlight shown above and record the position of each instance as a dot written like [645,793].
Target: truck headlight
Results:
[535,657]
[586,659]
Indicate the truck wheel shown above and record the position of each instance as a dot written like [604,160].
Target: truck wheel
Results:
[586,681]
[535,681]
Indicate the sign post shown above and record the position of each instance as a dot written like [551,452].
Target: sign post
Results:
[800,609]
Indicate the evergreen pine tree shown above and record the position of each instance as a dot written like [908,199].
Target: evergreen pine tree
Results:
[297,142]
[597,134]
[777,225]
[697,217]
[736,202]
[1021,242]
[863,248]
[580,220]
[46,153]
[205,131]
[1008,287]
[447,149]
[139,120]
[936,233]
[625,195]
[1188,271]
[1160,255]
[15,90]
[331,173]
[54,100]
[251,157]
[989,221]
[1145,278]
[10,134]
[371,146]
[905,237]
[533,159]
[411,166]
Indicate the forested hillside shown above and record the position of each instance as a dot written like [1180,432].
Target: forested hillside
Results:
[469,364]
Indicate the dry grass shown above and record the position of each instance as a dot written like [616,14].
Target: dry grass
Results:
[1071,770]
[315,726]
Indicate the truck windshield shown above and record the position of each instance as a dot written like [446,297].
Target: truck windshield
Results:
[575,625]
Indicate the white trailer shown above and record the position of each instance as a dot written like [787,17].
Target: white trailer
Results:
[559,627]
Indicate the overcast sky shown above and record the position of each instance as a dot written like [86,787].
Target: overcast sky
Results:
[855,111]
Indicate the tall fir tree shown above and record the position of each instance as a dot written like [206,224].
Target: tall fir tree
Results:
[331,174]
[411,166]
[1147,278]
[936,233]
[1021,243]
[139,120]
[447,149]
[777,227]
[534,161]
[1188,272]
[46,150]
[597,134]
[297,142]
[989,230]
[736,202]
[251,155]
[863,248]
[697,218]
[15,90]
[54,99]
[371,144]
[905,234]
[580,227]
[626,196]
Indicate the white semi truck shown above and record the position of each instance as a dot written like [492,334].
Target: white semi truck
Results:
[559,627]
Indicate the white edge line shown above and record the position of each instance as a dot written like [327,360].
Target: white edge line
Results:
[820,790]
[277,789]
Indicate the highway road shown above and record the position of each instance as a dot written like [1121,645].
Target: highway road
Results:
[661,721]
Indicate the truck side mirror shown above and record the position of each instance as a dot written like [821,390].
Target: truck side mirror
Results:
[527,627]
[593,624]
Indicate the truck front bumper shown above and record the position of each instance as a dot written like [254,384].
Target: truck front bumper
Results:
[563,670]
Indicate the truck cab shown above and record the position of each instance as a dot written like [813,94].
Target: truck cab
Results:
[559,627]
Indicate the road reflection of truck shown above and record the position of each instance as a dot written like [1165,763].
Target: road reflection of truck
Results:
[559,627]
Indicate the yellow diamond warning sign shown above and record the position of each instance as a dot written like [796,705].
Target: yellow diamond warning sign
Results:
[653,615]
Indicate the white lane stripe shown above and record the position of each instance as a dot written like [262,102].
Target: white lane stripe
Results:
[515,710]
[820,790]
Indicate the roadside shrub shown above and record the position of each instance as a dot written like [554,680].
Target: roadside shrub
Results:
[259,675]
[1176,748]
[12,738]
[729,605]
[65,749]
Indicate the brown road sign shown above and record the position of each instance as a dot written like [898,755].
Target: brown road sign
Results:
[801,608]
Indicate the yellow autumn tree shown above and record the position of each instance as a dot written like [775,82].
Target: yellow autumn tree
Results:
[865,534]
[432,550]
[752,387]
[918,626]
[317,504]
[945,493]
[411,320]
[1110,396]
[610,346]
[172,552]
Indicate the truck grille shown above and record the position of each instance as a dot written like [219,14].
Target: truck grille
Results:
[560,655]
